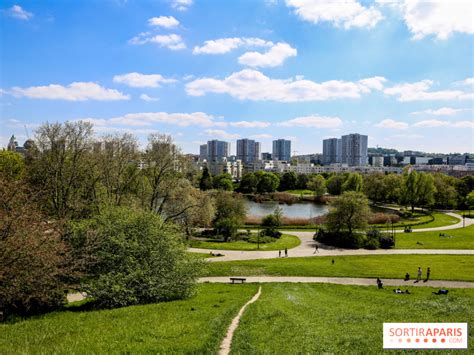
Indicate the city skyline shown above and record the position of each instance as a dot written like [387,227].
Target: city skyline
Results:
[263,70]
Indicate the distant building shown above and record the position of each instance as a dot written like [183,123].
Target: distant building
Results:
[377,160]
[354,149]
[203,152]
[234,168]
[332,151]
[217,150]
[266,156]
[12,144]
[282,150]
[248,151]
[457,159]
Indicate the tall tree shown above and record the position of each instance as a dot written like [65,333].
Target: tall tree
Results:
[348,212]
[426,190]
[446,195]
[267,182]
[248,184]
[288,181]
[12,165]
[334,184]
[354,182]
[317,184]
[223,182]
[205,183]
[409,191]
[62,169]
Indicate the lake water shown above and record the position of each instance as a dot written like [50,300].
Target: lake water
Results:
[296,210]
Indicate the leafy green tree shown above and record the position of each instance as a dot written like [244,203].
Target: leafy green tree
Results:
[334,184]
[230,213]
[470,200]
[205,183]
[464,186]
[409,191]
[348,212]
[317,184]
[267,182]
[374,187]
[446,195]
[136,258]
[12,165]
[223,182]
[248,184]
[392,186]
[354,182]
[302,182]
[271,222]
[426,190]
[288,181]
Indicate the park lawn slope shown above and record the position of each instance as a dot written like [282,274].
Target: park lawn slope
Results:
[195,325]
[461,238]
[443,267]
[285,241]
[324,318]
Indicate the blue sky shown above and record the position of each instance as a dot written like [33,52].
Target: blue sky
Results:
[402,73]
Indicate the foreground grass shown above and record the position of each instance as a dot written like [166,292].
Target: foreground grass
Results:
[461,238]
[324,318]
[285,241]
[196,325]
[443,267]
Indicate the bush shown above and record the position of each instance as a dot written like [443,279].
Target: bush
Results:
[136,258]
[386,242]
[372,244]
[341,239]
[382,218]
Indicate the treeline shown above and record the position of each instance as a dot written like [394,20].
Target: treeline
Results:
[97,216]
[413,189]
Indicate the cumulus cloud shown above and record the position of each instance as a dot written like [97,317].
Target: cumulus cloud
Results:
[225,45]
[249,124]
[313,121]
[418,91]
[145,97]
[261,136]
[18,12]
[438,18]
[343,13]
[137,80]
[275,56]
[172,41]
[221,134]
[77,91]
[253,85]
[163,21]
[466,82]
[443,111]
[389,123]
[181,5]
[439,123]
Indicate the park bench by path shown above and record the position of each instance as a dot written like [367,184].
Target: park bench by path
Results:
[241,279]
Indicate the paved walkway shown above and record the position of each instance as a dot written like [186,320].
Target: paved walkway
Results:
[342,281]
[307,248]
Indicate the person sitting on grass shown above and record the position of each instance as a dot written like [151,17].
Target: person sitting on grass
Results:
[440,292]
[407,277]
[399,291]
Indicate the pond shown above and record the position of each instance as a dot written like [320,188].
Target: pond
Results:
[296,210]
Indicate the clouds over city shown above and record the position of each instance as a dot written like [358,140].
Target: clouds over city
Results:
[137,80]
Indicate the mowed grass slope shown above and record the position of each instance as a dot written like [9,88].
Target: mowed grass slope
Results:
[196,325]
[460,238]
[443,267]
[285,241]
[324,318]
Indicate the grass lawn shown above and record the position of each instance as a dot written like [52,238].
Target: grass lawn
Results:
[196,325]
[462,238]
[324,318]
[440,220]
[285,241]
[443,267]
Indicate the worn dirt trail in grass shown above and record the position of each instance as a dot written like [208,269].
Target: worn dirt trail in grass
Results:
[342,281]
[227,342]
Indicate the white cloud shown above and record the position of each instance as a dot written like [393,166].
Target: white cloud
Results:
[163,21]
[145,97]
[253,85]
[375,83]
[77,91]
[443,111]
[181,5]
[275,56]
[225,45]
[18,12]
[342,13]
[389,123]
[249,124]
[438,18]
[149,118]
[313,121]
[171,41]
[261,136]
[418,91]
[467,82]
[439,123]
[137,80]
[221,134]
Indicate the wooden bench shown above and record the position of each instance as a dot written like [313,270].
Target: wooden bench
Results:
[241,279]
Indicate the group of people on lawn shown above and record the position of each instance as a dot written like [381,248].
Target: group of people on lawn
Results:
[419,276]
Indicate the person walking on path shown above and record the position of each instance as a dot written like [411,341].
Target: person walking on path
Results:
[279,253]
[379,283]
[286,252]
[316,249]
[428,272]
[419,274]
